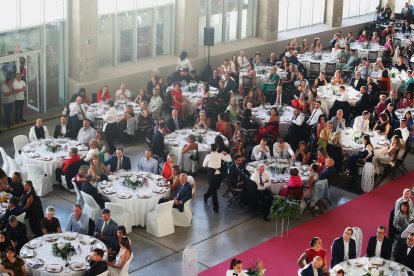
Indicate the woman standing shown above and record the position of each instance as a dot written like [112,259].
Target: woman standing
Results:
[111,129]
[31,204]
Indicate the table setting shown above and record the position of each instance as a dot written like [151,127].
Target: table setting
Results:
[98,110]
[363,48]
[330,93]
[352,140]
[261,115]
[139,192]
[63,253]
[406,38]
[323,59]
[374,266]
[397,78]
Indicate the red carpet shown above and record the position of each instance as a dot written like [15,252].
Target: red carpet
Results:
[368,211]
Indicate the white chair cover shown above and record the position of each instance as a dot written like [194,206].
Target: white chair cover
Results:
[189,264]
[131,125]
[368,175]
[79,198]
[6,166]
[191,180]
[13,167]
[41,182]
[19,142]
[183,218]
[357,236]
[160,221]
[120,215]
[91,208]
[21,217]
[186,164]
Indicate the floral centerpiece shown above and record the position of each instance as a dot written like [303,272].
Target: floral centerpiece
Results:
[199,139]
[317,56]
[261,70]
[256,268]
[374,272]
[63,250]
[280,110]
[335,91]
[52,146]
[132,182]
[192,87]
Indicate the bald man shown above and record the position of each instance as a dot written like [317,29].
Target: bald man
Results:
[313,268]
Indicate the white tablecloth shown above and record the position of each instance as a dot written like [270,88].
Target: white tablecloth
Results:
[348,141]
[395,75]
[262,114]
[330,93]
[177,140]
[37,153]
[141,200]
[83,245]
[406,38]
[323,59]
[363,52]
[360,266]
[97,110]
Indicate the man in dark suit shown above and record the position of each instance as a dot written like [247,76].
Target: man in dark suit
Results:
[329,169]
[158,146]
[105,228]
[185,193]
[313,268]
[343,248]
[229,83]
[17,232]
[394,121]
[63,129]
[239,177]
[91,190]
[357,82]
[97,264]
[118,161]
[174,123]
[379,245]
[364,103]
[404,254]
[393,98]
[13,209]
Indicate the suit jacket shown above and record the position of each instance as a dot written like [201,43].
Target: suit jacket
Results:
[386,248]
[338,251]
[97,268]
[18,234]
[58,131]
[158,144]
[109,231]
[230,86]
[395,102]
[113,163]
[171,124]
[326,173]
[185,192]
[402,257]
[308,270]
[237,174]
[391,116]
[93,192]
[11,212]
[361,82]
[364,104]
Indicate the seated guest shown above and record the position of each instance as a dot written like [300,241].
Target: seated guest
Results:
[296,131]
[262,180]
[223,126]
[105,228]
[63,129]
[73,158]
[103,94]
[325,135]
[88,188]
[15,187]
[282,149]
[155,104]
[408,81]
[4,244]
[403,218]
[13,265]
[387,156]
[30,203]
[361,123]
[97,263]
[128,122]
[381,106]
[329,169]
[190,145]
[114,250]
[17,232]
[261,151]
[50,224]
[404,253]
[379,245]
[86,133]
[407,194]
[233,110]
[158,142]
[321,80]
[378,65]
[294,181]
[236,268]
[247,115]
[343,248]
[271,127]
[315,114]
[148,163]
[223,95]
[214,79]
[80,176]
[385,77]
[321,154]
[184,193]
[364,103]
[98,170]
[404,130]
[123,93]
[77,221]
[251,97]
[118,161]
[174,183]
[175,123]
[400,66]
[202,122]
[122,257]
[383,126]
[338,122]
[363,156]
[406,101]
[82,95]
[142,96]
[302,153]
[335,151]
[167,171]
[313,268]
[13,209]
[102,143]
[38,131]
[357,82]
[315,250]
[145,116]
[93,150]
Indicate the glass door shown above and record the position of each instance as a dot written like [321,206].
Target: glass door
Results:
[33,82]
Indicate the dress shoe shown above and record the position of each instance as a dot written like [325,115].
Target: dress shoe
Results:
[205,198]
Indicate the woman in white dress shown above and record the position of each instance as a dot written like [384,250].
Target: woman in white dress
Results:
[122,257]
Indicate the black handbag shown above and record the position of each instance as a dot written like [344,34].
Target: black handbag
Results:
[194,156]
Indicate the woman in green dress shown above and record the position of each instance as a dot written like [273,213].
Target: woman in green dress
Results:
[273,81]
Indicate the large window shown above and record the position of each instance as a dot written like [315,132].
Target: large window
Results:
[231,19]
[131,30]
[354,8]
[295,14]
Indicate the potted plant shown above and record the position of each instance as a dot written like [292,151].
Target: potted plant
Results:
[284,208]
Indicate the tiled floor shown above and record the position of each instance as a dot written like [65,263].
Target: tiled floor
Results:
[210,233]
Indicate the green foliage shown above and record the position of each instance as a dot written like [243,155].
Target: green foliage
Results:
[283,207]
[63,250]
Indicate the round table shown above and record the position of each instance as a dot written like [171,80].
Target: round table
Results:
[330,93]
[363,49]
[262,114]
[39,259]
[395,75]
[278,170]
[97,110]
[401,111]
[39,153]
[375,265]
[352,141]
[177,140]
[137,201]
[406,38]
[323,59]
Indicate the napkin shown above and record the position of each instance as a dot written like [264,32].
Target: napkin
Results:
[54,268]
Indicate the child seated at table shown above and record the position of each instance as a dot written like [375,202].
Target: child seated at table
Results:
[294,181]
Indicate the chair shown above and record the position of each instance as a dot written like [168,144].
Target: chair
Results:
[372,56]
[120,215]
[41,181]
[236,194]
[79,198]
[91,208]
[125,268]
[13,167]
[160,220]
[6,166]
[21,217]
[357,236]
[392,231]
[19,142]
[99,123]
[314,69]
[397,42]
[71,172]
[320,190]
[382,87]
[183,218]
[210,107]
[330,69]
[400,162]
[186,164]
[389,168]
[191,180]
[368,175]
[295,192]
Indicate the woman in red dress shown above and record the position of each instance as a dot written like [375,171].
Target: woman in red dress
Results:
[177,99]
[271,127]
[312,252]
[167,172]
[103,94]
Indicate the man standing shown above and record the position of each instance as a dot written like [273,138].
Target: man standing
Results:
[155,104]
[404,254]
[119,161]
[158,142]
[316,112]
[111,129]
[19,87]
[7,99]
[79,110]
[213,163]
[379,245]
[343,248]
[77,222]
[105,228]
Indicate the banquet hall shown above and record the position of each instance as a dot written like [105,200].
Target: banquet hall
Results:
[207,137]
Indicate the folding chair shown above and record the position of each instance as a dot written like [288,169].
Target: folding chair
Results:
[236,194]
